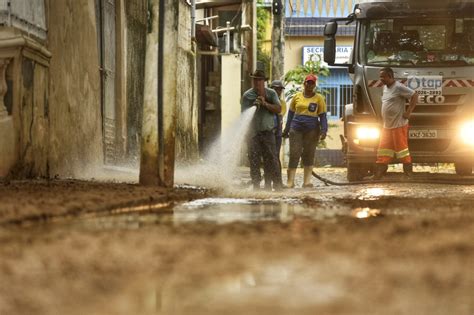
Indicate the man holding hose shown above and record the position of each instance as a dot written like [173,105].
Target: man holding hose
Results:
[261,134]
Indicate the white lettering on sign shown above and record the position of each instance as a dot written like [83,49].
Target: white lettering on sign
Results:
[426,85]
[431,99]
[343,53]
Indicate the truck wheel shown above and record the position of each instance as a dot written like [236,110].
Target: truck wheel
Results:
[463,169]
[356,171]
[372,167]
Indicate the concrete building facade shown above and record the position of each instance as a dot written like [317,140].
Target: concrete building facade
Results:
[72,86]
[226,55]
[304,26]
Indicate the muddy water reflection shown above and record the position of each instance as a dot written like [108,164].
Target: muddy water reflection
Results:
[227,210]
[223,211]
[374,193]
[208,210]
[211,210]
[364,213]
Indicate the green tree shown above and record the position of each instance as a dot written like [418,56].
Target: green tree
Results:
[263,17]
[295,77]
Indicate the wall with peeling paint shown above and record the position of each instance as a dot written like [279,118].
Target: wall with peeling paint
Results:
[75,110]
[33,114]
[186,97]
[58,125]
[24,105]
[136,19]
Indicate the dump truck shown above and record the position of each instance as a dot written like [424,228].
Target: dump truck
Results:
[430,47]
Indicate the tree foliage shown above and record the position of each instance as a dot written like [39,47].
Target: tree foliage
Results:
[263,17]
[295,77]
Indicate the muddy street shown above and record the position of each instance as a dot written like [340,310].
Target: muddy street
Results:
[162,157]
[72,247]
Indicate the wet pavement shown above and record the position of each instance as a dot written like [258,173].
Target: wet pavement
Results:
[399,248]
[215,211]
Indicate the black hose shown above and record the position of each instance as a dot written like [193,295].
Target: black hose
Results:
[414,180]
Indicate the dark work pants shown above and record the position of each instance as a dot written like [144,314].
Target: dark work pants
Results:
[278,136]
[263,145]
[278,141]
[303,145]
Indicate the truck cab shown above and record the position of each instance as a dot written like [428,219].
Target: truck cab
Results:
[430,47]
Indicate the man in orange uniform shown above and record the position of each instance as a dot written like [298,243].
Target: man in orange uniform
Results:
[394,136]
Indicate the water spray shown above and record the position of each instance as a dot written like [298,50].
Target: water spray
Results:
[219,166]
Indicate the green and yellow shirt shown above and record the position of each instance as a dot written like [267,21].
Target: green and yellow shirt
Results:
[308,112]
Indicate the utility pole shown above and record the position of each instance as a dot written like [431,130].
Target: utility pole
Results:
[278,39]
[149,135]
[159,108]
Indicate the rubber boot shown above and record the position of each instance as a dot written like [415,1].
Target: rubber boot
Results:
[380,170]
[268,185]
[308,172]
[278,185]
[291,172]
[408,169]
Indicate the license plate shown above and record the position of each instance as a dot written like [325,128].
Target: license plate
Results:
[423,134]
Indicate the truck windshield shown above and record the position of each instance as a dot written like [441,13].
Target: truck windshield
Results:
[417,42]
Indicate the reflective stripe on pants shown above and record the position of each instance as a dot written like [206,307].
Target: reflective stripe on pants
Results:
[394,144]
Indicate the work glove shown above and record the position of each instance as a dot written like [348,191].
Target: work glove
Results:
[322,137]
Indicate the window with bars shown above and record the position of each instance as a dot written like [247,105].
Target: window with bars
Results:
[337,96]
[338,91]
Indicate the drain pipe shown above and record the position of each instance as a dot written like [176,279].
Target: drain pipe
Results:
[193,19]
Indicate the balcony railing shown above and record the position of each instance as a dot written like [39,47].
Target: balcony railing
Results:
[25,15]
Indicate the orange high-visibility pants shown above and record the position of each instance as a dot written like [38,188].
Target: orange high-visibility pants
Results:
[394,145]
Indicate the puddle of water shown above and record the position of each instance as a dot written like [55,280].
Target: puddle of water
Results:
[207,210]
[124,221]
[365,213]
[228,210]
[220,211]
[374,193]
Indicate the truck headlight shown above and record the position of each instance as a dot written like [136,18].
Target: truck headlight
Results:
[467,132]
[366,133]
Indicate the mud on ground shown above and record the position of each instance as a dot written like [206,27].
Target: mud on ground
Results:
[415,257]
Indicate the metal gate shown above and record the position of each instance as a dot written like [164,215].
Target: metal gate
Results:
[337,89]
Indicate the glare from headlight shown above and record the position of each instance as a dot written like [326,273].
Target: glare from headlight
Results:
[467,132]
[367,133]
